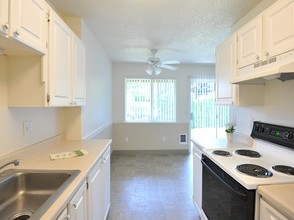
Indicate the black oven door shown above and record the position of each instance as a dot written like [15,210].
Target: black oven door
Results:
[223,198]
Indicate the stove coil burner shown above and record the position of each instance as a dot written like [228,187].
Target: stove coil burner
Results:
[254,170]
[248,153]
[284,169]
[222,153]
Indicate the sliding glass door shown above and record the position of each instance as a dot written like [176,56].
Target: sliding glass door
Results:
[207,119]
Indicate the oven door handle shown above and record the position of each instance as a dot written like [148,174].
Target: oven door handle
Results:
[224,182]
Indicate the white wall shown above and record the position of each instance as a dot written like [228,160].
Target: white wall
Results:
[182,75]
[46,122]
[97,114]
[278,107]
[94,119]
[153,136]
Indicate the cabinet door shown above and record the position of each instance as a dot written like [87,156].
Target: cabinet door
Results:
[106,183]
[63,215]
[4,26]
[225,68]
[78,205]
[28,21]
[279,28]
[197,178]
[250,43]
[268,212]
[60,66]
[79,72]
[95,193]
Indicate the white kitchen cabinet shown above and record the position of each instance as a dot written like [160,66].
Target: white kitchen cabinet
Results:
[250,43]
[63,215]
[4,25]
[28,23]
[266,43]
[225,67]
[78,205]
[57,79]
[60,62]
[99,188]
[278,27]
[106,183]
[227,93]
[95,191]
[197,178]
[268,212]
[79,72]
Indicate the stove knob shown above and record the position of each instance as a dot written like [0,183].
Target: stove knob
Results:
[290,137]
[287,136]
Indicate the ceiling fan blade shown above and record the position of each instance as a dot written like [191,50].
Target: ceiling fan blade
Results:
[170,62]
[168,67]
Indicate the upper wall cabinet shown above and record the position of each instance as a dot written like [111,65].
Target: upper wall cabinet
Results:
[66,65]
[278,28]
[60,68]
[226,93]
[79,72]
[28,23]
[4,26]
[266,43]
[225,66]
[24,22]
[57,78]
[250,43]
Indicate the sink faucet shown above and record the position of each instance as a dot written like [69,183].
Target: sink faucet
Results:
[15,162]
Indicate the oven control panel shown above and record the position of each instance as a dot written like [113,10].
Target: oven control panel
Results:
[274,133]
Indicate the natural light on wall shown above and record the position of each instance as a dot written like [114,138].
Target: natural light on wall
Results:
[150,100]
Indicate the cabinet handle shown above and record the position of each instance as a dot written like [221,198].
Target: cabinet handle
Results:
[74,206]
[266,54]
[6,26]
[17,32]
[257,57]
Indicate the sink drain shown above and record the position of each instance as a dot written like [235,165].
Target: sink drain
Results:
[21,216]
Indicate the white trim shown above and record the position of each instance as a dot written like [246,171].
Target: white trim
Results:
[95,132]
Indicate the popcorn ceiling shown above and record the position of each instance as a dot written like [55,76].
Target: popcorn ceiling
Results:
[185,30]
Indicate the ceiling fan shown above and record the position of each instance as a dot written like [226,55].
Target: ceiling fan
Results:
[155,65]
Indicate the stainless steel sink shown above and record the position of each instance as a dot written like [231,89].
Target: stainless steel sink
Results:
[27,194]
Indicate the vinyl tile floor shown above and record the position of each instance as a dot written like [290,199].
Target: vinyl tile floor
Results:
[151,186]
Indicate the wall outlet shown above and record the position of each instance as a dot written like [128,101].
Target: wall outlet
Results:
[127,139]
[163,138]
[27,128]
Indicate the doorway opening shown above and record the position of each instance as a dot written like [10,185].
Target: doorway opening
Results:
[206,118]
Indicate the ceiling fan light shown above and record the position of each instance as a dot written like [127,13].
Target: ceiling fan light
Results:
[157,70]
[149,70]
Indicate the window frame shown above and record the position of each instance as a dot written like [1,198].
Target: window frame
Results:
[152,102]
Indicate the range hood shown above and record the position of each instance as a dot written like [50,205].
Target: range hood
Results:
[282,68]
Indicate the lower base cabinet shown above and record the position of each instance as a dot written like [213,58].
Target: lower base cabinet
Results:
[78,205]
[268,212]
[92,199]
[64,215]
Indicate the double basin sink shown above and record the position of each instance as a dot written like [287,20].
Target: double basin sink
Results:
[27,194]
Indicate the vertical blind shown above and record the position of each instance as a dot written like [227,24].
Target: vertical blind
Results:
[204,112]
[150,100]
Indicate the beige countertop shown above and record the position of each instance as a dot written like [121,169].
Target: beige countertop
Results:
[281,197]
[37,157]
[203,143]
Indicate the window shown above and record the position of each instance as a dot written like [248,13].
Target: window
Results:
[150,100]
